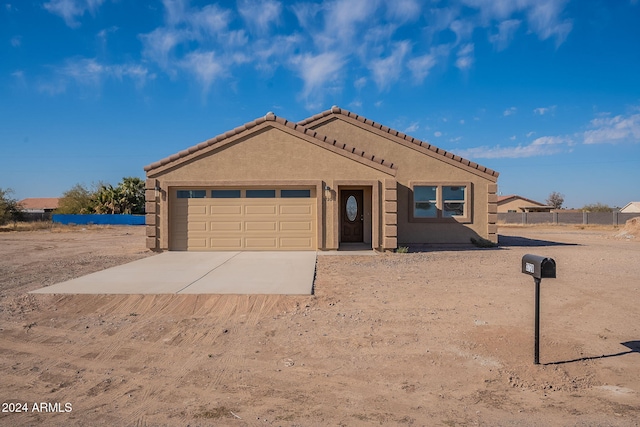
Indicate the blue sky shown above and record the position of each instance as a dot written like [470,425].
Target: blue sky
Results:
[547,92]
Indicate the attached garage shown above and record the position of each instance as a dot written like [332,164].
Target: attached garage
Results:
[259,218]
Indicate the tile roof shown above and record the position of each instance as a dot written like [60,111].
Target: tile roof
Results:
[502,199]
[39,203]
[320,140]
[337,110]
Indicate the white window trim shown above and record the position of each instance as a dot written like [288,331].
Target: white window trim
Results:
[466,218]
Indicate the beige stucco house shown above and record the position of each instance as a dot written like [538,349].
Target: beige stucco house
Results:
[515,203]
[631,207]
[333,180]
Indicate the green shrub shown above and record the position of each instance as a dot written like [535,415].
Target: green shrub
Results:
[483,243]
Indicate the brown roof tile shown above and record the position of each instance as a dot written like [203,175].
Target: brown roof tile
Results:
[337,110]
[322,139]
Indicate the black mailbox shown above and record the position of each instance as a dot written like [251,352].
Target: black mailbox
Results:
[539,267]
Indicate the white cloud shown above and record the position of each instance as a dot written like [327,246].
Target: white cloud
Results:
[204,66]
[16,41]
[543,16]
[412,128]
[463,28]
[543,146]
[317,70]
[70,10]
[465,57]
[530,134]
[403,10]
[437,134]
[360,83]
[509,111]
[544,110]
[159,44]
[456,139]
[513,138]
[260,15]
[461,121]
[614,129]
[506,31]
[89,73]
[386,71]
[421,65]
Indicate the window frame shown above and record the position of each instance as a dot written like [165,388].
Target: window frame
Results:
[227,193]
[191,193]
[466,218]
[260,193]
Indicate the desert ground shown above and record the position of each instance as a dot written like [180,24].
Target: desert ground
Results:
[442,337]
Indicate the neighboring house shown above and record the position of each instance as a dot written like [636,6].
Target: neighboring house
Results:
[330,180]
[39,205]
[632,207]
[514,203]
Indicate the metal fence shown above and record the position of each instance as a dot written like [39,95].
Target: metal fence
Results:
[100,219]
[584,218]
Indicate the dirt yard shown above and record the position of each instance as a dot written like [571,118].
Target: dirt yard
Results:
[438,338]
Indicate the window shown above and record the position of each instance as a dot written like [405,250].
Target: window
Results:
[261,194]
[452,201]
[192,194]
[424,201]
[440,202]
[295,193]
[225,194]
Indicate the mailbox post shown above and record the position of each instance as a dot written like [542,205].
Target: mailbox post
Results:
[540,268]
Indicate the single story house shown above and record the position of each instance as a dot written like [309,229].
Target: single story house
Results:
[39,205]
[631,207]
[333,180]
[514,203]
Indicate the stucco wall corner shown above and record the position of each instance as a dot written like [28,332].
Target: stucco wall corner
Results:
[151,243]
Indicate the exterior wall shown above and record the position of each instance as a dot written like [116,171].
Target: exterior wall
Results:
[268,155]
[631,208]
[512,205]
[416,164]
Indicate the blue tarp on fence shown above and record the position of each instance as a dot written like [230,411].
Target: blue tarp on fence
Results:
[102,219]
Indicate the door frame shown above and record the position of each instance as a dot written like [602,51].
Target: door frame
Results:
[371,194]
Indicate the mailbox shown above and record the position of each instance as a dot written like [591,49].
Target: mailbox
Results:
[539,267]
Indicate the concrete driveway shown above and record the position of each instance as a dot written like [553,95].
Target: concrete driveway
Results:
[289,273]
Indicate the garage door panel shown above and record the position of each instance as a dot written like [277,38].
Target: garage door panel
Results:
[296,226]
[225,244]
[295,210]
[260,225]
[197,226]
[222,226]
[197,243]
[260,210]
[197,210]
[226,210]
[242,223]
[261,243]
[296,243]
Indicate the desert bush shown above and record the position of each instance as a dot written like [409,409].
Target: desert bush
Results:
[481,242]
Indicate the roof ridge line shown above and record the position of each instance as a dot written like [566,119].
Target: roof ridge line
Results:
[337,110]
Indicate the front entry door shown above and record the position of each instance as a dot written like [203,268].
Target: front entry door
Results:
[352,216]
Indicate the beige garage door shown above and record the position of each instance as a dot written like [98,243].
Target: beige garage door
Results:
[243,219]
